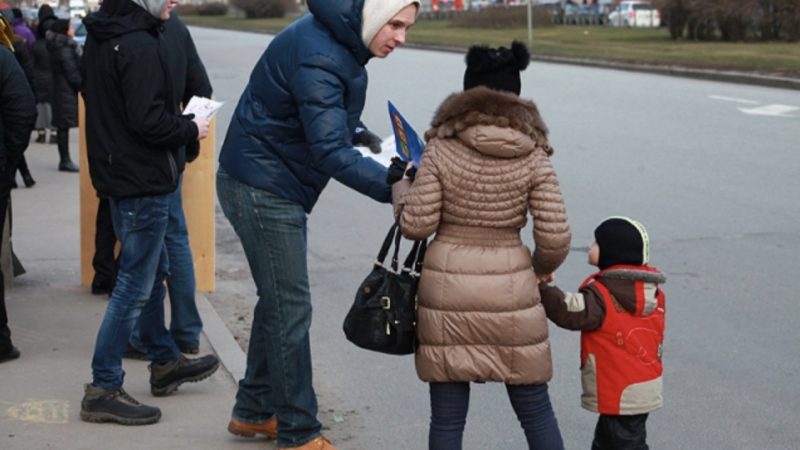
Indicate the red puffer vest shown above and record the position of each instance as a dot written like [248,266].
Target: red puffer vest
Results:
[621,361]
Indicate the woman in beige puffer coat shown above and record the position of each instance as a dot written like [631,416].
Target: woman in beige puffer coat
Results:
[485,166]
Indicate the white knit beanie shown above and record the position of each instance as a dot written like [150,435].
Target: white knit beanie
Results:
[376,13]
[154,7]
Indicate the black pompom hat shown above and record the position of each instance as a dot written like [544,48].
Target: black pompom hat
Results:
[622,240]
[496,68]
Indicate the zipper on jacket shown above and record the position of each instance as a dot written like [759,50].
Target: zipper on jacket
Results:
[173,167]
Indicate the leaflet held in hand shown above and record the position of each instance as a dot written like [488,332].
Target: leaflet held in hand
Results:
[408,144]
[202,107]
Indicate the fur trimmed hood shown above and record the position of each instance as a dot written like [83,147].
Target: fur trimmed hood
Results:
[491,108]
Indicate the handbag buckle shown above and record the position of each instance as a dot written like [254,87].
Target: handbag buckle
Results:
[386,302]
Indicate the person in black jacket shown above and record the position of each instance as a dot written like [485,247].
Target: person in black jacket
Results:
[65,56]
[189,78]
[136,138]
[43,76]
[17,115]
[22,53]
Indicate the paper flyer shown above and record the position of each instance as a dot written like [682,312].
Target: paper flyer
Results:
[408,144]
[202,107]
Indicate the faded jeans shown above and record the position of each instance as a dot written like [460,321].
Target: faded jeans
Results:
[185,323]
[140,224]
[531,403]
[278,378]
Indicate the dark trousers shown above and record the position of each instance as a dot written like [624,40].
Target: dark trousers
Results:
[620,433]
[531,403]
[62,141]
[22,166]
[5,333]
[104,262]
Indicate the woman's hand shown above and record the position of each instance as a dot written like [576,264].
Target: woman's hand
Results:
[546,277]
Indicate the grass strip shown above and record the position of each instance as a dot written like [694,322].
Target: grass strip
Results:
[628,45]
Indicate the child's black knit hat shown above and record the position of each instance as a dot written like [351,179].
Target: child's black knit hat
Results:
[496,68]
[622,240]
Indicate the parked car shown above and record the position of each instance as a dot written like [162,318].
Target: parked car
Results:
[634,14]
[571,14]
[581,14]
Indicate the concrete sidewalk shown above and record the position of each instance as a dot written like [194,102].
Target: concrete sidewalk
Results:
[54,322]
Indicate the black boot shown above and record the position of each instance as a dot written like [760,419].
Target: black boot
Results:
[22,166]
[165,378]
[41,136]
[103,405]
[28,179]
[66,164]
[53,136]
[9,355]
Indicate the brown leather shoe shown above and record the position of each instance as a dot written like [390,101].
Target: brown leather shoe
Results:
[320,443]
[268,428]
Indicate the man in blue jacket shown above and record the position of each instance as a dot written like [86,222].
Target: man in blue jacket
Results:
[291,133]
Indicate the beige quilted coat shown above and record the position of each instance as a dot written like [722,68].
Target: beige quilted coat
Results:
[485,167]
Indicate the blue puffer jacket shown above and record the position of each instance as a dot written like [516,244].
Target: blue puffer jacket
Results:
[292,129]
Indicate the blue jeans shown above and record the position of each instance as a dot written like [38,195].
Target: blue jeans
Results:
[272,231]
[531,403]
[140,224]
[185,323]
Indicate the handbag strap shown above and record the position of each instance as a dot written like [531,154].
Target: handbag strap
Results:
[423,247]
[387,242]
[396,256]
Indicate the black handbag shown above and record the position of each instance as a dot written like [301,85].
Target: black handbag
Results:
[384,314]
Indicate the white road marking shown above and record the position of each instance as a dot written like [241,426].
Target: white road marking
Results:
[772,110]
[733,99]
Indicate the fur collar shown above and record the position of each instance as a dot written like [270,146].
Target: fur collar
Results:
[635,275]
[484,106]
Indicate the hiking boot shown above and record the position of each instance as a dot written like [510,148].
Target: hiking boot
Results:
[134,353]
[188,348]
[268,428]
[165,378]
[320,443]
[103,405]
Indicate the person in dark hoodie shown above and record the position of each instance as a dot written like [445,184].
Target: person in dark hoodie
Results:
[43,76]
[136,139]
[190,79]
[17,115]
[65,58]
[292,132]
[620,312]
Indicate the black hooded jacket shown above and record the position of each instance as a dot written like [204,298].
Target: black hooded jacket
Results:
[17,115]
[134,130]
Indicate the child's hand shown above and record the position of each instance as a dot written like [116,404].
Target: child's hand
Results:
[546,277]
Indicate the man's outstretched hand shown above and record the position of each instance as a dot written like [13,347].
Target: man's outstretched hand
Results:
[365,138]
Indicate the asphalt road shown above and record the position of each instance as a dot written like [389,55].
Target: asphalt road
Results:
[710,168]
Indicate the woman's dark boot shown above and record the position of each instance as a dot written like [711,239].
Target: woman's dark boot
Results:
[41,136]
[22,166]
[66,164]
[53,136]
[28,179]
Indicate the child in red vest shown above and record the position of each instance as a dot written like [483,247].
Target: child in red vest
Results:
[620,312]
